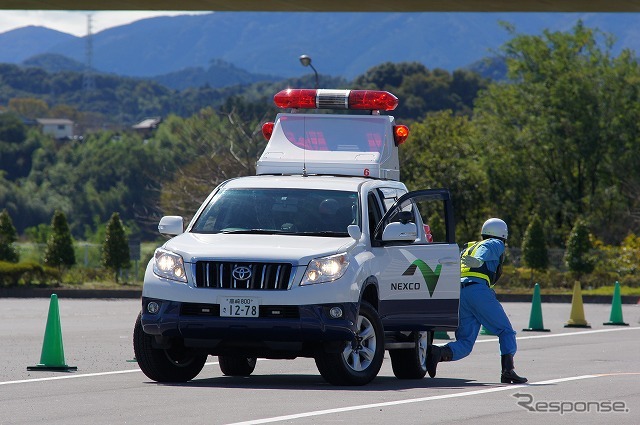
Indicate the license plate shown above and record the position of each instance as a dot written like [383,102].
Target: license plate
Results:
[239,307]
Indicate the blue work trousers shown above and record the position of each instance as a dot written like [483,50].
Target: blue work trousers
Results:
[479,306]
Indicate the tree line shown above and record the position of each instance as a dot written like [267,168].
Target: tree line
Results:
[59,254]
[140,177]
[559,139]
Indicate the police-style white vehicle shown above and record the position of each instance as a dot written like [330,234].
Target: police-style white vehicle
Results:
[323,254]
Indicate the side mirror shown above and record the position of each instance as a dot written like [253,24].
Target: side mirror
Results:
[171,225]
[407,232]
[354,231]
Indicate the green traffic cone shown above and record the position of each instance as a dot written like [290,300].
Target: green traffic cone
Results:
[535,319]
[52,357]
[485,331]
[441,335]
[615,318]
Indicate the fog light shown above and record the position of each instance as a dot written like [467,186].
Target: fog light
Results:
[335,312]
[153,307]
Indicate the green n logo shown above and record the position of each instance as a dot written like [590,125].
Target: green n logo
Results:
[430,276]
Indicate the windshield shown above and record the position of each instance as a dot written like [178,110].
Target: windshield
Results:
[288,211]
[353,134]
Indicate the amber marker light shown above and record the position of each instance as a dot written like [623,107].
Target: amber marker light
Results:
[400,134]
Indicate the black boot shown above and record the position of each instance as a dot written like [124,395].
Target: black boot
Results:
[509,376]
[437,354]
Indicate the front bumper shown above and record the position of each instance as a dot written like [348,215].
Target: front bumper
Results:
[285,329]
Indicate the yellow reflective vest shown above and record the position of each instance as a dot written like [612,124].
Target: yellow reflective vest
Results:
[481,272]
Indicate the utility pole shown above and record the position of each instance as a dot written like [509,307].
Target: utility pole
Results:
[88,83]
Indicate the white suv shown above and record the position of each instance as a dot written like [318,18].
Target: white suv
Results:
[323,254]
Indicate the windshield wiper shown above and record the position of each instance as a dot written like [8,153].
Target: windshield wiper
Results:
[323,233]
[237,231]
[253,231]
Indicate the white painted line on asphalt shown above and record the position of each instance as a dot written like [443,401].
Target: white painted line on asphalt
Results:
[578,333]
[419,400]
[83,375]
[118,372]
[56,378]
[87,375]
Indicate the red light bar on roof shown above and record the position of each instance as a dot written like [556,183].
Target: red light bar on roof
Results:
[336,99]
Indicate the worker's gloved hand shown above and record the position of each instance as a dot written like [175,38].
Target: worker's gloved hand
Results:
[471,262]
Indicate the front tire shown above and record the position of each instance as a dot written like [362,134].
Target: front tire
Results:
[411,363]
[237,366]
[175,364]
[360,360]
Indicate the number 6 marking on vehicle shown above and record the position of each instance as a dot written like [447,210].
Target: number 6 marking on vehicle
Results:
[366,172]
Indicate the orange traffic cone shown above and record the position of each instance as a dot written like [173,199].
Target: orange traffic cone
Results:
[52,357]
[577,319]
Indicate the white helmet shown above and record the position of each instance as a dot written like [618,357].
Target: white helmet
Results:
[496,228]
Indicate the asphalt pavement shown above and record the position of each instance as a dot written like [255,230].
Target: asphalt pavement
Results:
[581,376]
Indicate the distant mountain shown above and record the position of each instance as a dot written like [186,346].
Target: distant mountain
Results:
[269,43]
[22,43]
[125,100]
[54,63]
[218,74]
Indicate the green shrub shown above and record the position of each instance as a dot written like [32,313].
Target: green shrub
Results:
[534,247]
[622,260]
[8,236]
[27,273]
[577,256]
[520,277]
[115,249]
[59,252]
[84,275]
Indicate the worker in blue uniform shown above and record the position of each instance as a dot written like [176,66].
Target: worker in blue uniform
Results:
[481,266]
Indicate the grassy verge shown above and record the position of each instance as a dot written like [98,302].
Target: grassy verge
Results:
[103,286]
[603,290]
[88,274]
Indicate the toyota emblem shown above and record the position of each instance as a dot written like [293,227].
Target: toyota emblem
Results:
[241,273]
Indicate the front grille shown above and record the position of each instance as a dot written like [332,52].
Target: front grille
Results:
[213,310]
[265,276]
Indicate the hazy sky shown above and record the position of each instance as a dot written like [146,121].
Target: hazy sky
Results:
[75,22]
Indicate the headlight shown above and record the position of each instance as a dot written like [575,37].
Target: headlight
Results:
[325,269]
[169,265]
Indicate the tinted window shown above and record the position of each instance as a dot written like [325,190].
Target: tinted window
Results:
[352,134]
[291,211]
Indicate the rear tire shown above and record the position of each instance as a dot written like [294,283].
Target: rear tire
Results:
[175,364]
[237,366]
[411,363]
[360,361]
